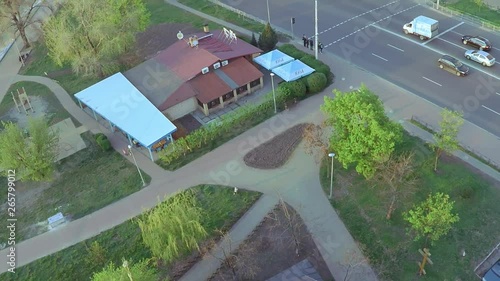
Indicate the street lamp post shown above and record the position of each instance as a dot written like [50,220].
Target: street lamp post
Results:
[316,28]
[268,13]
[331,155]
[135,162]
[274,95]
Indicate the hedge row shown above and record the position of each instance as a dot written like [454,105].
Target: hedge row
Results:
[209,137]
[103,142]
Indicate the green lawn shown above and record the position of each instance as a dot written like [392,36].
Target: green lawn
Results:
[217,11]
[55,111]
[387,246]
[471,8]
[74,192]
[221,210]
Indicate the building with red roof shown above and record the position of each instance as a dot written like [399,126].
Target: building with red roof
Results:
[207,71]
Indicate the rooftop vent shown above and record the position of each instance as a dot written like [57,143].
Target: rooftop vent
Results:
[204,70]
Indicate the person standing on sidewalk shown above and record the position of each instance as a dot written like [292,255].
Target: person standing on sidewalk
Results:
[320,47]
[307,43]
[311,43]
[304,39]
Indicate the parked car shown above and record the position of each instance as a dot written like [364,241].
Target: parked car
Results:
[480,57]
[453,65]
[494,273]
[479,42]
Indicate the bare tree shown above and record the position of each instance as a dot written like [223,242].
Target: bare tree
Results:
[351,261]
[241,261]
[316,141]
[19,14]
[398,174]
[291,223]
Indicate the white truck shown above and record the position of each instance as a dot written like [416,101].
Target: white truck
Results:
[423,27]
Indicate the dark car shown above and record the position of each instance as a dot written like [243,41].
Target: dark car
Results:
[477,41]
[493,274]
[453,65]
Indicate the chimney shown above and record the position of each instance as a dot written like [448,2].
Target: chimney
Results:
[205,28]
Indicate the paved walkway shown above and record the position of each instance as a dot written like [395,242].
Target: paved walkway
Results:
[297,182]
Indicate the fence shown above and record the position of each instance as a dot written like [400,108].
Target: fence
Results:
[465,148]
[465,16]
[250,17]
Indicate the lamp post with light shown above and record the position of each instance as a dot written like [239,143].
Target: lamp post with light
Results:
[135,162]
[331,155]
[274,94]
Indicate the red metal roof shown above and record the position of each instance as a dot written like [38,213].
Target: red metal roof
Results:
[241,71]
[220,47]
[184,92]
[185,60]
[209,87]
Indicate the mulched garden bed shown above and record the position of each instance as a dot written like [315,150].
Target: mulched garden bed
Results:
[275,152]
[270,249]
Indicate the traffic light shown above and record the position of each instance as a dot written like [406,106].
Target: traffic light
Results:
[293,20]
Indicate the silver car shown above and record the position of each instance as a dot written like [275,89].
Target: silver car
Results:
[481,57]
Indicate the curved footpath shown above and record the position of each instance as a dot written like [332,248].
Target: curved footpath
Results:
[297,182]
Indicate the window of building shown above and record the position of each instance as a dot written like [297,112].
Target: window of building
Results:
[255,83]
[241,89]
[214,103]
[227,96]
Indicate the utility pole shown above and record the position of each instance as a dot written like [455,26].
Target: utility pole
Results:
[426,254]
[316,28]
[268,13]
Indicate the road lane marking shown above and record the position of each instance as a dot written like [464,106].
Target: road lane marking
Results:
[491,110]
[442,33]
[456,45]
[431,48]
[432,81]
[355,17]
[498,94]
[379,57]
[371,24]
[395,48]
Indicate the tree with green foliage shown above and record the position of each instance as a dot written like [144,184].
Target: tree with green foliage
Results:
[90,35]
[137,272]
[446,140]
[268,39]
[362,134]
[173,227]
[254,41]
[432,218]
[31,152]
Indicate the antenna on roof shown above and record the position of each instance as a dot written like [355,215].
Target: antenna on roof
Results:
[229,35]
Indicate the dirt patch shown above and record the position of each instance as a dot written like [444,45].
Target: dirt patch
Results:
[271,249]
[275,152]
[40,107]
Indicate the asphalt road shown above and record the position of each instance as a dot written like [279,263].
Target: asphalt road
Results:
[370,35]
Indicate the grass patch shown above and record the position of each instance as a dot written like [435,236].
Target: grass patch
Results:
[86,181]
[461,148]
[55,112]
[389,249]
[221,210]
[469,7]
[221,13]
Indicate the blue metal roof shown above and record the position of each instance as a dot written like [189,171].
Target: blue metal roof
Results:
[273,59]
[293,70]
[121,103]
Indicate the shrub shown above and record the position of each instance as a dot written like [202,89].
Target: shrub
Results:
[325,69]
[268,39]
[311,61]
[103,142]
[316,82]
[294,89]
[292,51]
